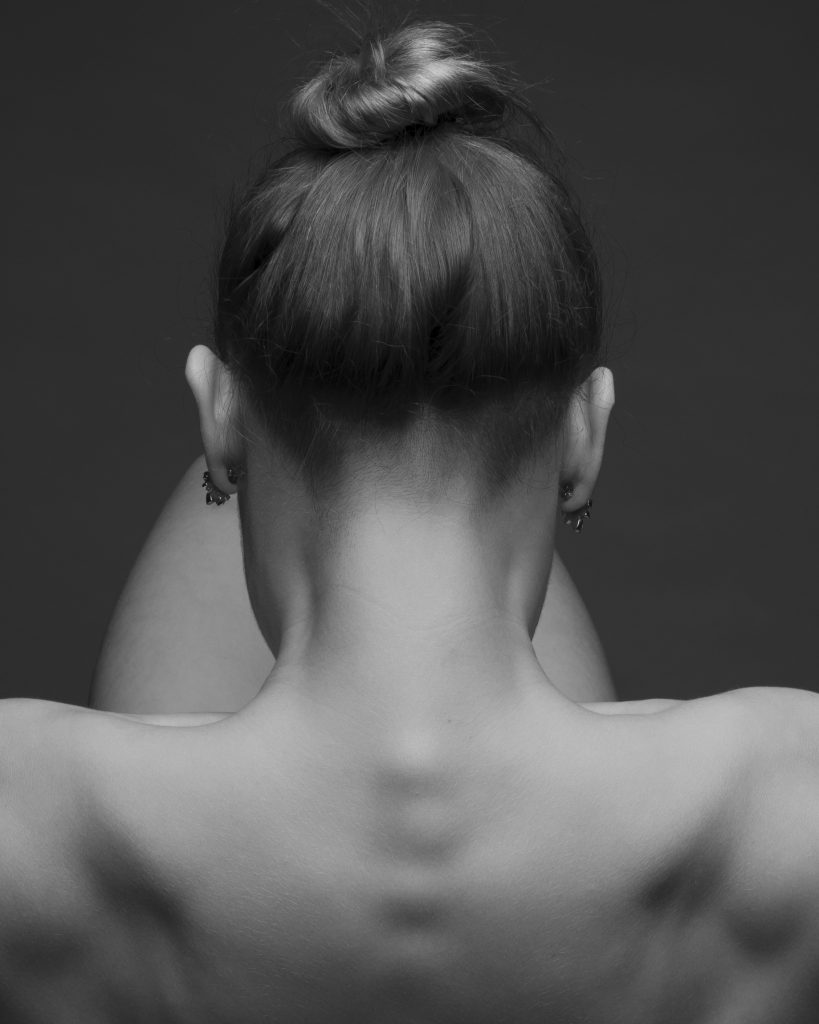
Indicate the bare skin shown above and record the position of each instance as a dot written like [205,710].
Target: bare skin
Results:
[410,822]
[183,637]
[300,862]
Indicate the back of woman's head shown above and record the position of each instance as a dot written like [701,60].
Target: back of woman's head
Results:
[412,267]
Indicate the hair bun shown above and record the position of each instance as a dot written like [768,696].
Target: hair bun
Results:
[417,75]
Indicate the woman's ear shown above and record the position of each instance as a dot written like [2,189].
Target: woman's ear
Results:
[214,391]
[584,436]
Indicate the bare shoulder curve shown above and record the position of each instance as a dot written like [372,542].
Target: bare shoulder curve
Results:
[752,756]
[778,723]
[772,891]
[37,813]
[773,713]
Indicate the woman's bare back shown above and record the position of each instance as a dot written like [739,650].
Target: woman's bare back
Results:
[293,868]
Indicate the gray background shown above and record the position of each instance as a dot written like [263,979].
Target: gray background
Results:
[691,132]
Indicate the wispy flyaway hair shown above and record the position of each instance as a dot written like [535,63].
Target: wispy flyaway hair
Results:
[414,256]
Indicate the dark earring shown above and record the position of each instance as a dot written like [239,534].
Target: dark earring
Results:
[578,518]
[234,474]
[566,491]
[213,495]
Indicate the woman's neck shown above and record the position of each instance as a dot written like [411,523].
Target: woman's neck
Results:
[413,606]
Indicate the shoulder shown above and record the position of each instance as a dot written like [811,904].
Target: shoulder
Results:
[41,863]
[771,887]
[33,743]
[751,743]
[43,748]
[740,761]
[779,751]
[756,722]
[42,739]
[783,720]
[764,728]
[87,800]
[64,769]
[729,789]
[55,755]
